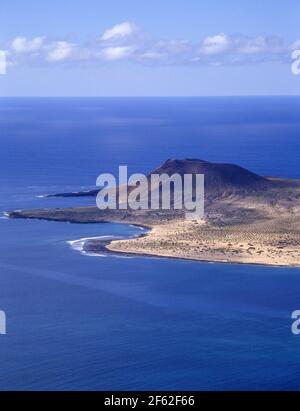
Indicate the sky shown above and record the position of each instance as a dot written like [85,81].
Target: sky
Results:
[149,48]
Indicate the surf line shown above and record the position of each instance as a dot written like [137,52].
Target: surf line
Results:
[96,246]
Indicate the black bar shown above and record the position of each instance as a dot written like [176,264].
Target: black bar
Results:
[142,399]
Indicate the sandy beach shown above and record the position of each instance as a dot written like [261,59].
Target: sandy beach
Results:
[272,240]
[248,219]
[256,244]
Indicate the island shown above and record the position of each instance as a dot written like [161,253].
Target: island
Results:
[248,219]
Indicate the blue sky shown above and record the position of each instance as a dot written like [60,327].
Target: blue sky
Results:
[157,47]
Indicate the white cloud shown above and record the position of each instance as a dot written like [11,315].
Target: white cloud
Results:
[23,45]
[166,51]
[172,46]
[127,41]
[117,53]
[215,44]
[119,31]
[59,51]
[252,46]
[260,45]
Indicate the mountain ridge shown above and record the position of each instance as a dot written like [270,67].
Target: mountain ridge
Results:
[218,177]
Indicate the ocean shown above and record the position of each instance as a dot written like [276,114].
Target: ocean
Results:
[80,322]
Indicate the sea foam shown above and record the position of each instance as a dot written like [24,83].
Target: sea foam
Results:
[78,245]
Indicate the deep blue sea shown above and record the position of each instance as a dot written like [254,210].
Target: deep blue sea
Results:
[113,323]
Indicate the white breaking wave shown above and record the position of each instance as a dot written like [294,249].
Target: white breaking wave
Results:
[122,256]
[137,226]
[89,254]
[78,245]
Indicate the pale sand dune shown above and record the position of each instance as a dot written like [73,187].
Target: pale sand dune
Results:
[256,244]
[235,230]
[252,229]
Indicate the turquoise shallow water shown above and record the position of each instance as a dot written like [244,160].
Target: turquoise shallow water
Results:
[80,322]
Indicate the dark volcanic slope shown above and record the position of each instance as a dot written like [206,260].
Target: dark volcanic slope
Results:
[219,177]
[232,194]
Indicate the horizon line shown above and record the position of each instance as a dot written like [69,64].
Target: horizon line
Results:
[155,96]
